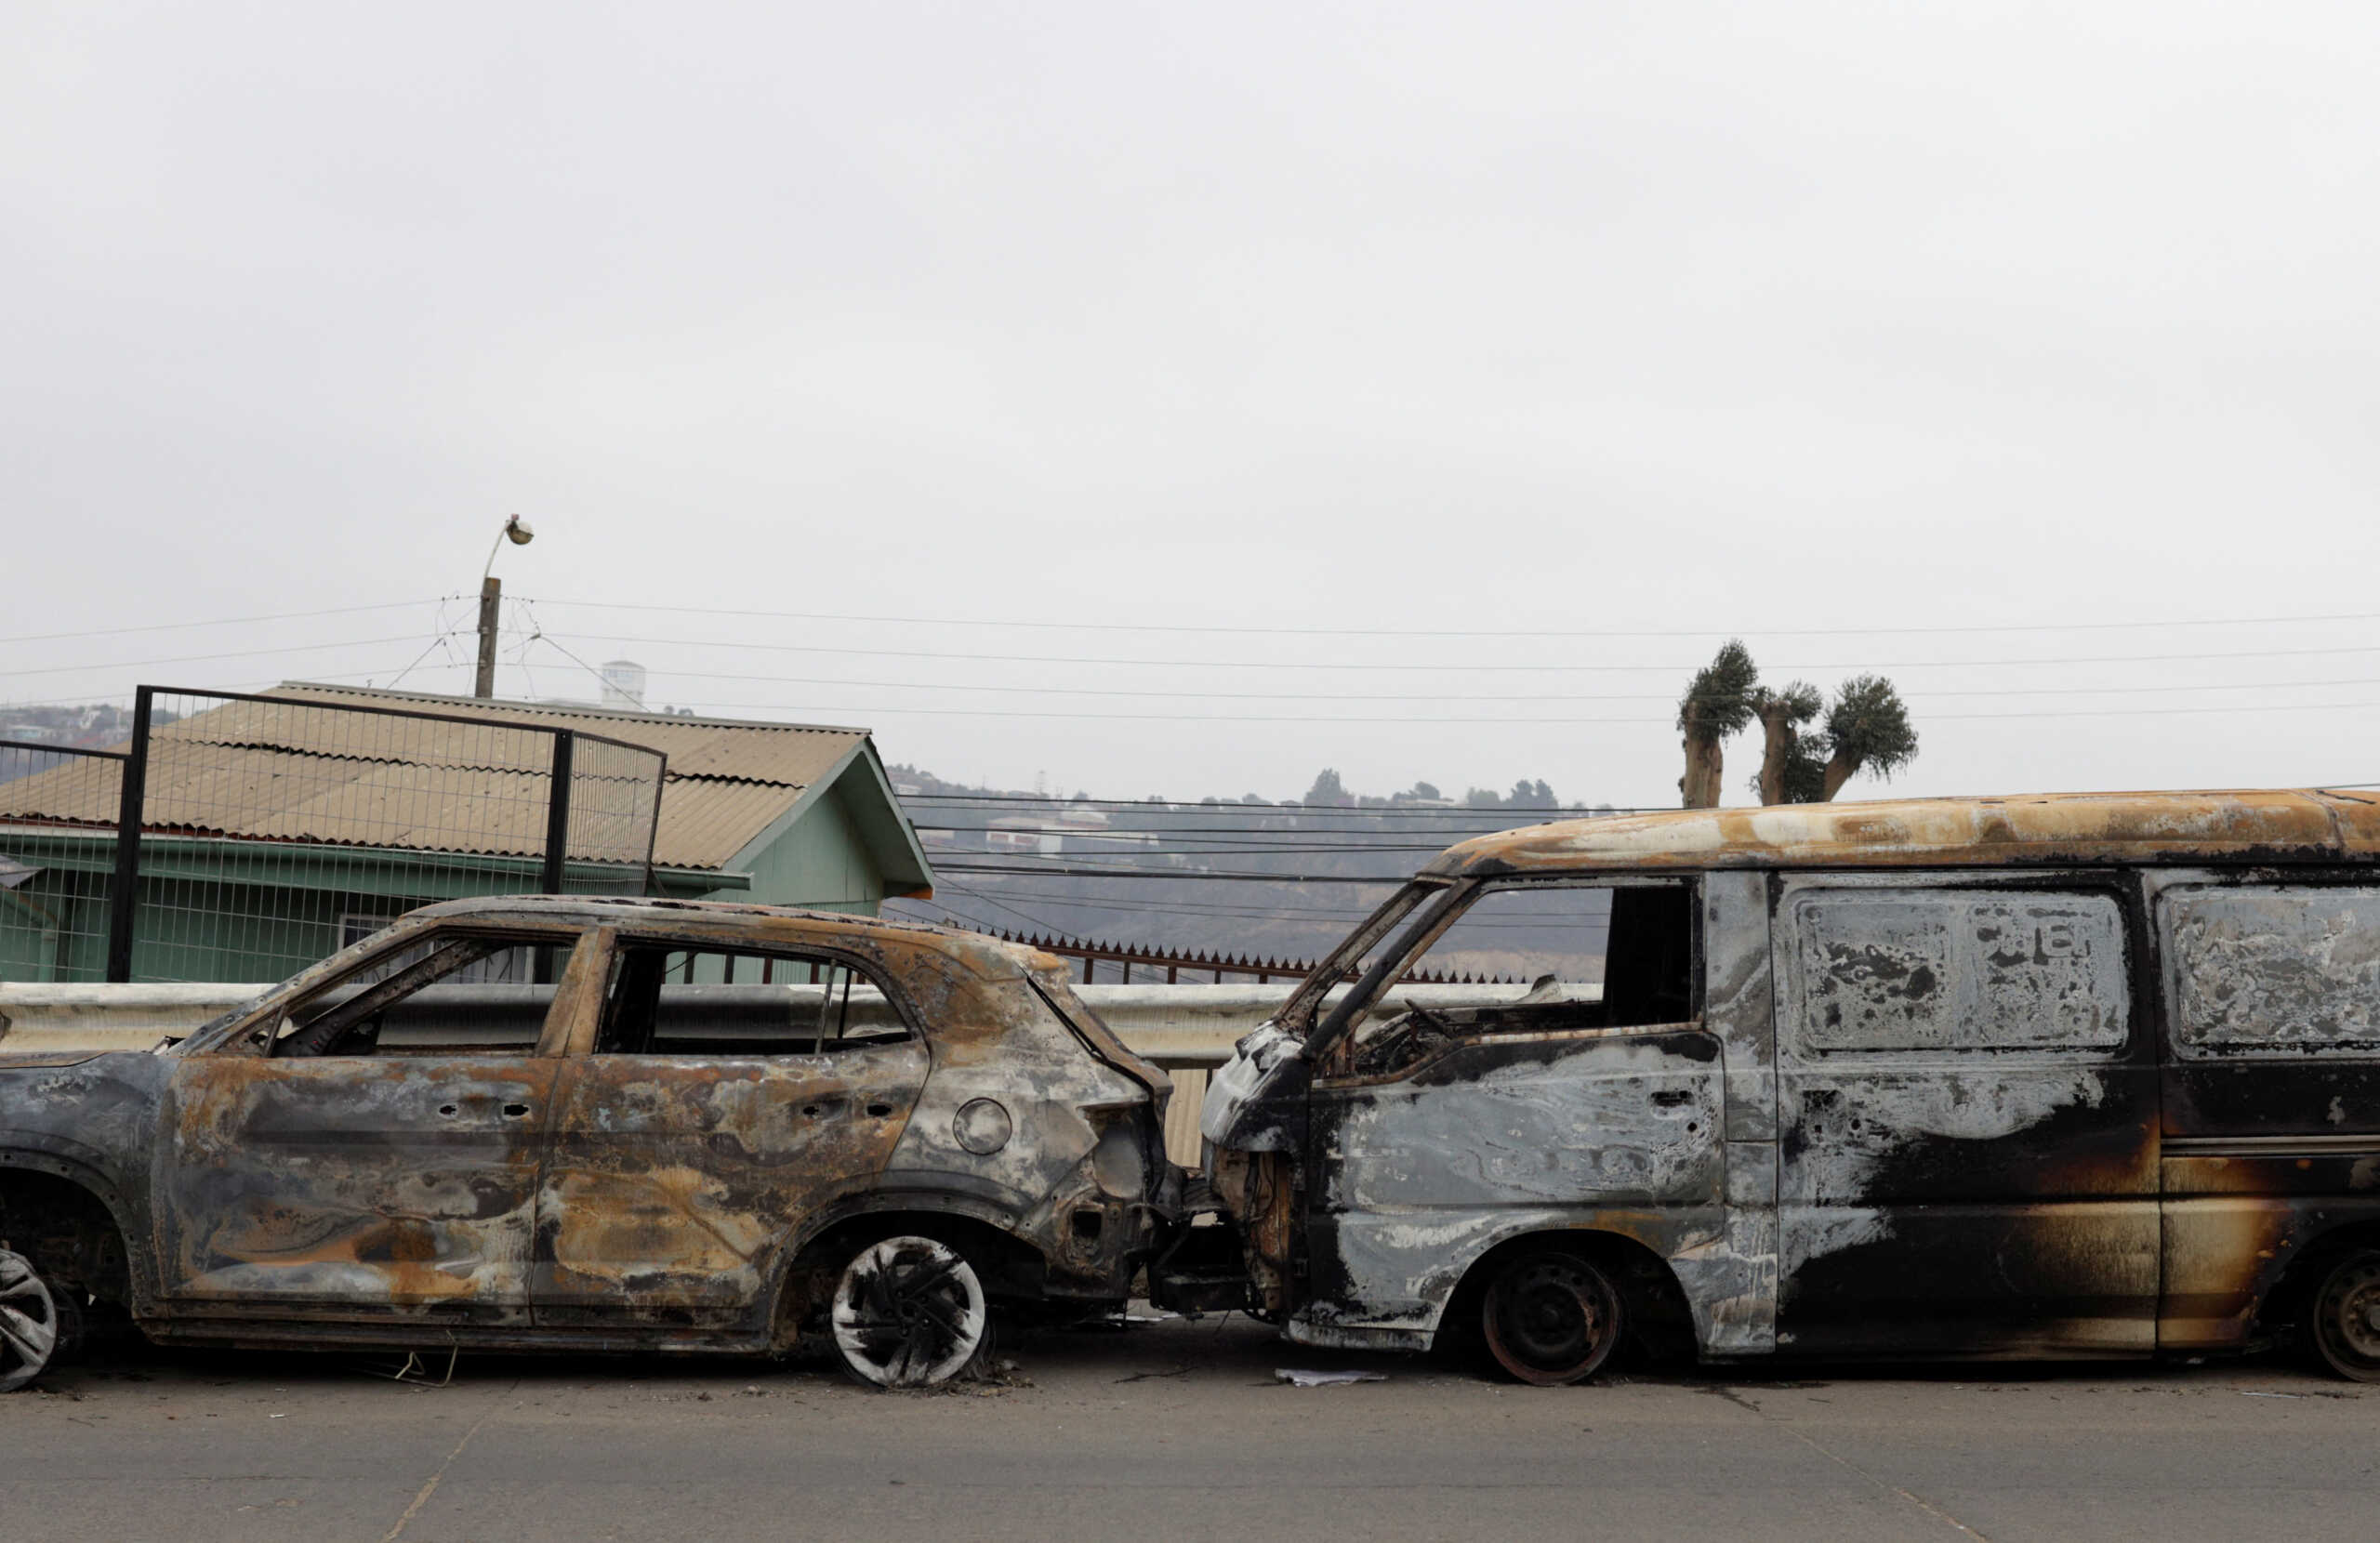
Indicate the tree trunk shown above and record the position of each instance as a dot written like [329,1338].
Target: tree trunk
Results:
[1840,768]
[1778,736]
[1703,764]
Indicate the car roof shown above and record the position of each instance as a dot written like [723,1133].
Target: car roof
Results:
[2276,825]
[754,926]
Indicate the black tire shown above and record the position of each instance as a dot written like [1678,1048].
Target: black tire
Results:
[1548,1317]
[31,1324]
[908,1313]
[2343,1316]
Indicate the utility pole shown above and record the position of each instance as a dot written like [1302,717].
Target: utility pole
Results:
[492,603]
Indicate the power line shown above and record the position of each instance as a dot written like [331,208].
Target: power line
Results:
[1434,719]
[1350,811]
[1386,881]
[202,658]
[90,697]
[1445,697]
[227,621]
[1044,624]
[1685,668]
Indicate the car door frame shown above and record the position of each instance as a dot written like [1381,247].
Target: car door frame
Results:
[204,1176]
[643,1307]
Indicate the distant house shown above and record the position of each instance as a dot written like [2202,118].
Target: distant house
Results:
[780,813]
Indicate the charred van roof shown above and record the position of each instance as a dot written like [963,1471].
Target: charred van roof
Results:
[2032,829]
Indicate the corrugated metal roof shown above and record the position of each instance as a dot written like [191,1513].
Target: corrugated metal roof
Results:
[289,769]
[791,754]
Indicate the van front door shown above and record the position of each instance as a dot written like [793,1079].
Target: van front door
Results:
[1967,1106]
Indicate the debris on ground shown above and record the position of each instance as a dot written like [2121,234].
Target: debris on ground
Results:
[1324,1380]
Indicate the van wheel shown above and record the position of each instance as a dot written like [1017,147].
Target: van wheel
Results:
[1550,1318]
[2342,1317]
[908,1313]
[28,1322]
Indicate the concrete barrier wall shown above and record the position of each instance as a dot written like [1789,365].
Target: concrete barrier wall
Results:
[1185,1029]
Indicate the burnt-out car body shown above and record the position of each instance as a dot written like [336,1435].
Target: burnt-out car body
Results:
[2064,1075]
[714,1127]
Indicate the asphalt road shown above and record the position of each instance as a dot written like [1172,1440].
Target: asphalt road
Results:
[1175,1429]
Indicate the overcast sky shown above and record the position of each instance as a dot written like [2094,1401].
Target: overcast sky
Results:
[1549,319]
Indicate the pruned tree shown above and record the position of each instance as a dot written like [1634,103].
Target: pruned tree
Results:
[1783,756]
[1866,730]
[1718,703]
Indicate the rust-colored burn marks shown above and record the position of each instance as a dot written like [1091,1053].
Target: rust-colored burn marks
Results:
[675,1179]
[501,1195]
[2034,830]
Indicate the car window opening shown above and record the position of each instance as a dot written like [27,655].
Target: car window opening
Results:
[680,1001]
[433,998]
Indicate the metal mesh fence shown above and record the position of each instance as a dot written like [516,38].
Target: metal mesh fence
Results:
[270,833]
[614,793]
[56,875]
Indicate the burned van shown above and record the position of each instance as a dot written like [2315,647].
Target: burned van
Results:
[711,1128]
[2057,1077]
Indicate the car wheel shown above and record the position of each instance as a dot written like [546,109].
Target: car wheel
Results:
[28,1322]
[908,1313]
[2342,1317]
[1550,1318]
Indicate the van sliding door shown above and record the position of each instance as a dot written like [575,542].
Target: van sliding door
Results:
[1967,1099]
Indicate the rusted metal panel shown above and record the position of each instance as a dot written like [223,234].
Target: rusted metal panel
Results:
[1418,1174]
[2057,828]
[2066,1076]
[1968,1111]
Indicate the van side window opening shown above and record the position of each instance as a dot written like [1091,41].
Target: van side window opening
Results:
[1892,969]
[2273,969]
[667,1001]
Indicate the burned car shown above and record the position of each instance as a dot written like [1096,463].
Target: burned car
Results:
[713,1129]
[2089,1075]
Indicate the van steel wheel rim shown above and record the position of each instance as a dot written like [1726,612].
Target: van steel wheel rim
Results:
[2349,1314]
[28,1323]
[908,1313]
[1550,1321]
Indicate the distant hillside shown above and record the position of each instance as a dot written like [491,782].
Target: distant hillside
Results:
[1161,873]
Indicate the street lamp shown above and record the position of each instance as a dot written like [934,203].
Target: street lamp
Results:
[492,602]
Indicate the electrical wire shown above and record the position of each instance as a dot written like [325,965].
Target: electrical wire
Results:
[1044,624]
[1187,876]
[812,711]
[203,658]
[1673,668]
[978,688]
[227,621]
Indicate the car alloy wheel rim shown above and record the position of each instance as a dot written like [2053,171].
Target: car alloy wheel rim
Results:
[28,1323]
[1550,1320]
[908,1313]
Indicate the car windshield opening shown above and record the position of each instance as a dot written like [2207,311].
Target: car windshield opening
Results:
[1548,959]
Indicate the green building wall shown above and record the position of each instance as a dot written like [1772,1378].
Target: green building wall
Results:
[245,911]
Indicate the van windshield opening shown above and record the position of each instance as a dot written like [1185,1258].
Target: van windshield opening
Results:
[1552,958]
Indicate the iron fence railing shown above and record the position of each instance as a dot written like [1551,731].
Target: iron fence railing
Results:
[54,910]
[241,837]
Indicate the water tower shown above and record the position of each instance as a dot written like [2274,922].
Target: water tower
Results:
[624,684]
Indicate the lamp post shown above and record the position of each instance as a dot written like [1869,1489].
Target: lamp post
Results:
[491,602]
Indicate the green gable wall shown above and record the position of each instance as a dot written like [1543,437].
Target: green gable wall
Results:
[818,859]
